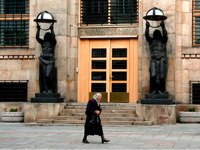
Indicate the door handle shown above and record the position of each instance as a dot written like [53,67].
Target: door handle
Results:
[111,76]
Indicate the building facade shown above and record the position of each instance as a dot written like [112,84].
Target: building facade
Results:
[101,47]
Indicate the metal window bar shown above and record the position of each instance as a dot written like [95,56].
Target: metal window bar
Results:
[195,22]
[194,92]
[14,23]
[13,90]
[111,12]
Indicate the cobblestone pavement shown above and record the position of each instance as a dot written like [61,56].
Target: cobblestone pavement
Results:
[179,136]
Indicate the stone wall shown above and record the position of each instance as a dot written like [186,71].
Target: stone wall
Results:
[169,9]
[158,114]
[187,63]
[183,64]
[66,14]
[18,68]
[35,111]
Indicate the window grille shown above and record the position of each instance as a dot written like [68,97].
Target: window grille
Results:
[109,12]
[194,92]
[13,90]
[14,23]
[196,23]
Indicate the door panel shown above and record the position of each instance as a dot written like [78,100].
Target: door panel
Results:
[99,68]
[119,71]
[119,97]
[108,66]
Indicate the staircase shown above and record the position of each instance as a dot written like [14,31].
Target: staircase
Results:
[112,114]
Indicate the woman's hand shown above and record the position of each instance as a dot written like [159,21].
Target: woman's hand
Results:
[97,112]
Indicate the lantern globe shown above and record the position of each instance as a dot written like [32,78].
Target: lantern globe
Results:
[45,19]
[155,14]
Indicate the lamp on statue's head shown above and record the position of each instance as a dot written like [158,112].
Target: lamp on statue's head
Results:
[45,20]
[155,14]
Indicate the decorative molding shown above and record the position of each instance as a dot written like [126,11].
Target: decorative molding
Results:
[190,56]
[15,57]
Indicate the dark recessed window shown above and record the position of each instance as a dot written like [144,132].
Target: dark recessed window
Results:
[109,12]
[119,52]
[119,87]
[119,64]
[14,23]
[98,87]
[101,76]
[13,91]
[94,11]
[98,64]
[123,11]
[98,53]
[15,6]
[119,76]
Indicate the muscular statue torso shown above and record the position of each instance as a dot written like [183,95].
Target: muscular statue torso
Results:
[158,49]
[47,61]
[158,63]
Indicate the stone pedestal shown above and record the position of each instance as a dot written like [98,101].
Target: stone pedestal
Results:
[157,99]
[47,98]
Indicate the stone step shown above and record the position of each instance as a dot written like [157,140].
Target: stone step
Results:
[142,123]
[69,121]
[103,104]
[113,114]
[82,122]
[102,114]
[103,111]
[102,118]
[103,107]
[45,121]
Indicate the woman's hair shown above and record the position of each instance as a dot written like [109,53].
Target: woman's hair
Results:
[96,95]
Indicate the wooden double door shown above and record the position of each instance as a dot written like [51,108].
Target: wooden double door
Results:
[110,67]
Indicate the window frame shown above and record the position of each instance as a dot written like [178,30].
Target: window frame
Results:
[16,17]
[110,21]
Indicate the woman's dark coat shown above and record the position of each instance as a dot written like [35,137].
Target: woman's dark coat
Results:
[93,129]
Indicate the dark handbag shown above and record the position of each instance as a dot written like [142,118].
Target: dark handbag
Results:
[94,119]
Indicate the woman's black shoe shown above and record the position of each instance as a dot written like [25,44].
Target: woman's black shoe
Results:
[104,140]
[85,141]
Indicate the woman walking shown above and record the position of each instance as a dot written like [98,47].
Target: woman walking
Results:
[93,122]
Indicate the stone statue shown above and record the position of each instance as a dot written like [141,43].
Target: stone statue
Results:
[159,61]
[47,61]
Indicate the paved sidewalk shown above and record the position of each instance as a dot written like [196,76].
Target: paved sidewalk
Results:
[180,136]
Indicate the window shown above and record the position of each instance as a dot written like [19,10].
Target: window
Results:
[13,90]
[196,23]
[194,92]
[109,12]
[14,23]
